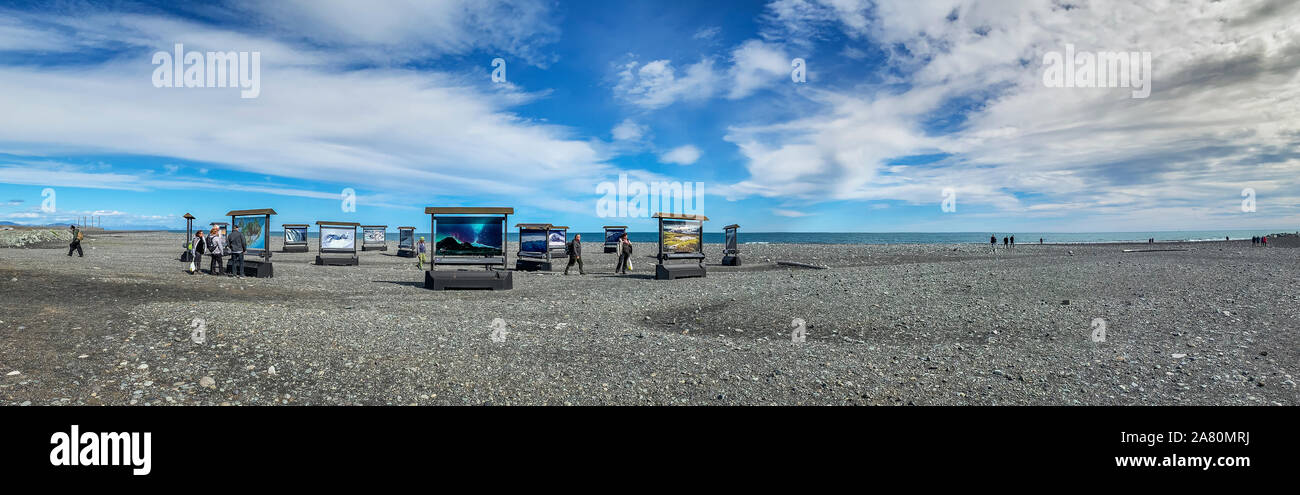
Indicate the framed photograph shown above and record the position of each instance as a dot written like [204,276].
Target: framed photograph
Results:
[340,238]
[374,235]
[682,236]
[469,236]
[406,239]
[253,228]
[295,235]
[533,241]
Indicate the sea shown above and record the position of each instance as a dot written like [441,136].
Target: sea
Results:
[916,237]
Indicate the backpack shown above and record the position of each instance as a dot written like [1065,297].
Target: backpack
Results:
[80,236]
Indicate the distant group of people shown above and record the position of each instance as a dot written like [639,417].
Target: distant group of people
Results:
[1259,240]
[218,245]
[1007,242]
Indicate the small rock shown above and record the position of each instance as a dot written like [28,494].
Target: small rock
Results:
[1179,356]
[207,382]
[14,373]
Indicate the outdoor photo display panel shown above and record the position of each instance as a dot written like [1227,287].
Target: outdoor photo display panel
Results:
[406,238]
[681,236]
[253,228]
[469,236]
[533,240]
[374,235]
[731,240]
[295,235]
[557,238]
[612,235]
[341,238]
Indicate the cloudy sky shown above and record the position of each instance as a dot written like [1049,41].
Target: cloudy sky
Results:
[902,99]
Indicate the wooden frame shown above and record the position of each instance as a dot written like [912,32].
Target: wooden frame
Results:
[613,246]
[367,246]
[265,213]
[320,237]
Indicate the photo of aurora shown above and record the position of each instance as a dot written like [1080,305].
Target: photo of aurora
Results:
[295,235]
[253,229]
[469,236]
[611,236]
[557,238]
[338,238]
[532,241]
[406,239]
[681,236]
[374,236]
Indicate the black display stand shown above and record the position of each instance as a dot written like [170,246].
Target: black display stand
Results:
[489,279]
[294,247]
[257,262]
[406,251]
[731,253]
[677,265]
[337,257]
[612,247]
[469,279]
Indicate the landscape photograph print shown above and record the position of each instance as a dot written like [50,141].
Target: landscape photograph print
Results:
[469,236]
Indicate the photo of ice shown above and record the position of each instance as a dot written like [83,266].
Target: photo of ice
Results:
[295,235]
[681,236]
[406,239]
[469,236]
[253,228]
[612,235]
[557,238]
[338,238]
[532,241]
[374,236]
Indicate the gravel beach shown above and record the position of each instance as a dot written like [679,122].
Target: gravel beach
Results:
[1209,323]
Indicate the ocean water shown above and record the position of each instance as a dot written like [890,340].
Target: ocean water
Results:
[912,237]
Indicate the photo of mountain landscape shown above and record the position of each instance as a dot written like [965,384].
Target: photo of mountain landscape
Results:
[469,236]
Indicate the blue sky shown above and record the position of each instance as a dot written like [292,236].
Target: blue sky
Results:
[902,100]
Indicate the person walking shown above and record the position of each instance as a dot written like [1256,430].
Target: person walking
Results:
[237,249]
[624,255]
[75,245]
[574,251]
[420,249]
[1005,242]
[1013,241]
[197,247]
[216,248]
[1264,241]
[993,243]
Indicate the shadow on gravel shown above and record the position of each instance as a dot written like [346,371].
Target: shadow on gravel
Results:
[407,283]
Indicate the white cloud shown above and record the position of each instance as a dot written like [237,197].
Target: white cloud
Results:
[788,213]
[681,155]
[656,84]
[1221,116]
[629,130]
[756,65]
[376,128]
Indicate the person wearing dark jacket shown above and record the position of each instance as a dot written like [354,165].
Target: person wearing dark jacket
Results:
[237,251]
[76,242]
[200,244]
[237,248]
[575,254]
[624,254]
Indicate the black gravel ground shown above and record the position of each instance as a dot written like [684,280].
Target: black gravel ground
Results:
[1215,324]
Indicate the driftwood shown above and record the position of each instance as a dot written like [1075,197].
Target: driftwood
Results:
[801,265]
